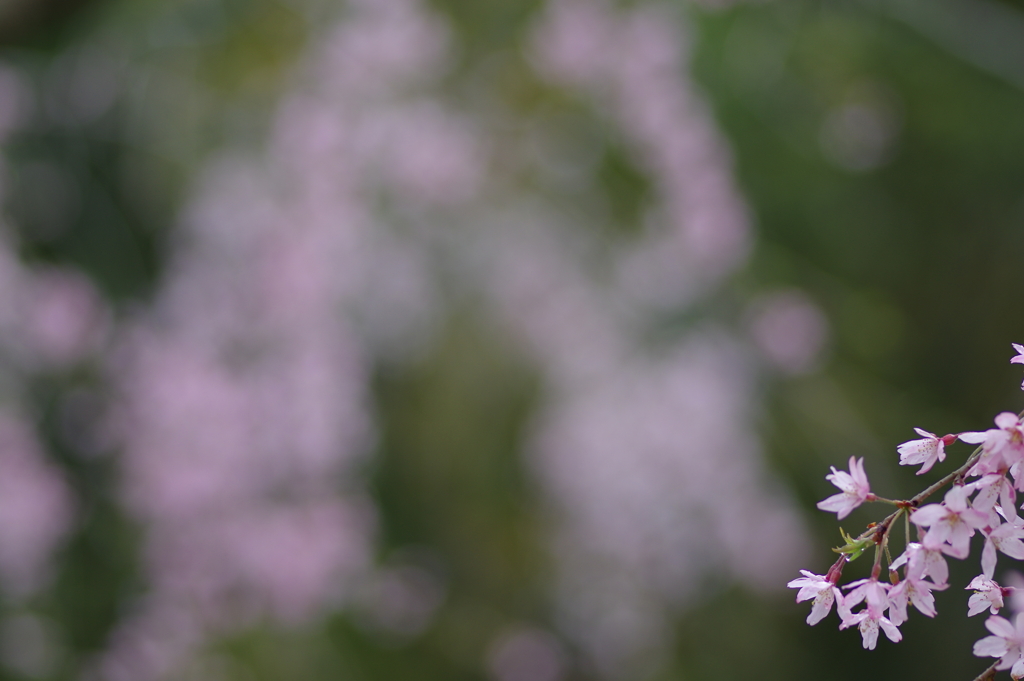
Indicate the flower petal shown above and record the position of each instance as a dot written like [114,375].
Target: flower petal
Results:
[973,438]
[1000,626]
[988,559]
[1006,419]
[926,516]
[890,630]
[991,646]
[1018,669]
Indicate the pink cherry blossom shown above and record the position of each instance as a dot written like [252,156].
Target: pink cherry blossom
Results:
[995,486]
[926,451]
[987,596]
[872,617]
[925,559]
[818,587]
[871,590]
[952,521]
[854,486]
[1003,445]
[1007,643]
[915,590]
[869,621]
[1005,538]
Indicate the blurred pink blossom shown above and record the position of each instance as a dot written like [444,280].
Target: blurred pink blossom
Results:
[632,443]
[65,320]
[243,389]
[35,508]
[790,330]
[526,654]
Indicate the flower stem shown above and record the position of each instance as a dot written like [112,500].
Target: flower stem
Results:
[916,500]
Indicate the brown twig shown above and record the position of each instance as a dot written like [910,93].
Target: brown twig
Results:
[988,674]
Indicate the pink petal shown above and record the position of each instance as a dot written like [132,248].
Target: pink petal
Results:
[1014,548]
[929,515]
[977,604]
[1006,419]
[822,606]
[936,568]
[929,463]
[959,552]
[987,496]
[858,474]
[956,499]
[890,630]
[960,538]
[842,480]
[841,504]
[988,559]
[991,646]
[923,601]
[975,518]
[807,592]
[1019,621]
[869,632]
[973,438]
[1000,627]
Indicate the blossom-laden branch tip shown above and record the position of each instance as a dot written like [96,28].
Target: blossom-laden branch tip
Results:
[985,505]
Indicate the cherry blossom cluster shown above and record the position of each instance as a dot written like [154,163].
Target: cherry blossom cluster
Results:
[981,499]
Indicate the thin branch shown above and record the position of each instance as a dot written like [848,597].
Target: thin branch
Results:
[916,500]
[988,674]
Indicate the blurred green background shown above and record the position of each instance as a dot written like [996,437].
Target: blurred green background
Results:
[879,148]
